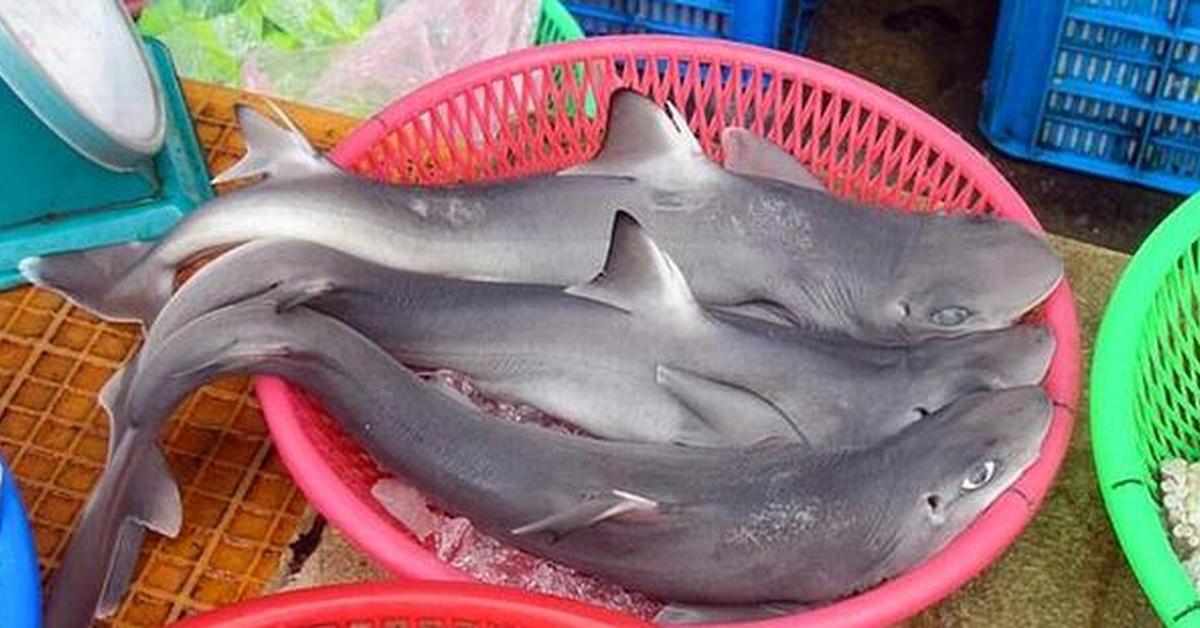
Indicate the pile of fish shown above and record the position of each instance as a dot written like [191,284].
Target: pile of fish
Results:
[787,398]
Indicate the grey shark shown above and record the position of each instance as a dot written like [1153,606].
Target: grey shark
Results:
[629,355]
[771,523]
[757,231]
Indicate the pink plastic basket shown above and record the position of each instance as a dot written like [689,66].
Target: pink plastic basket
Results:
[418,604]
[525,113]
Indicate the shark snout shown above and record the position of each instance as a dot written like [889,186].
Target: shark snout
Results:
[1027,270]
[1026,358]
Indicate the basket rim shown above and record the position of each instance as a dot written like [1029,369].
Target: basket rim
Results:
[376,600]
[1129,503]
[969,554]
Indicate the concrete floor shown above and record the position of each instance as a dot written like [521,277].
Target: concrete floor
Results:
[935,53]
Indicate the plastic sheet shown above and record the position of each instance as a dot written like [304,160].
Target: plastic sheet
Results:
[418,41]
[351,56]
[457,542]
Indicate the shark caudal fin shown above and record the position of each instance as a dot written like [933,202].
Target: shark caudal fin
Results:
[136,492]
[119,283]
[155,505]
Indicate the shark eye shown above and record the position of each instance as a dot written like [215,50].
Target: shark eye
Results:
[952,316]
[979,476]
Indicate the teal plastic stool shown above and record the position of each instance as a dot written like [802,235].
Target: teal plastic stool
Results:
[54,198]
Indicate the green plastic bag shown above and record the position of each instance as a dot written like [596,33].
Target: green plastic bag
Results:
[210,39]
[205,45]
[321,22]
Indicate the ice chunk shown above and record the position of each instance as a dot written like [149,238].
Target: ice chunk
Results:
[407,505]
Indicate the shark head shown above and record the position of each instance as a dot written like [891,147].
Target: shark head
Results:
[957,462]
[944,369]
[963,274]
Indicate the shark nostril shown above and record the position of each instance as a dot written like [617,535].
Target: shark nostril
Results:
[934,501]
[918,413]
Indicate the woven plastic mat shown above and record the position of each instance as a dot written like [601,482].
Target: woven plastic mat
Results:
[241,510]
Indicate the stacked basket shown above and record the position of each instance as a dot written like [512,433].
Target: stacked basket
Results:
[1145,402]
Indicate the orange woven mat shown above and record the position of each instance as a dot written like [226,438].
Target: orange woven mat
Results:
[241,510]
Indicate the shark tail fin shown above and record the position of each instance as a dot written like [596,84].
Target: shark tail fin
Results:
[102,556]
[122,282]
[154,504]
[120,571]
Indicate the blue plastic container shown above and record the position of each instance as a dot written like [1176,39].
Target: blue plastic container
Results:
[783,24]
[20,593]
[1110,87]
[54,199]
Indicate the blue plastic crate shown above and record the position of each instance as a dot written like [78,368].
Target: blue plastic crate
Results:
[20,592]
[783,24]
[1110,87]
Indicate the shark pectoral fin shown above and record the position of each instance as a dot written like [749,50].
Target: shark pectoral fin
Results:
[126,548]
[752,155]
[454,394]
[295,294]
[764,311]
[639,277]
[739,415]
[272,150]
[677,613]
[590,511]
[648,143]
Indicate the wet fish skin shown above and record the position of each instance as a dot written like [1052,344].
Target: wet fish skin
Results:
[876,276]
[661,371]
[770,523]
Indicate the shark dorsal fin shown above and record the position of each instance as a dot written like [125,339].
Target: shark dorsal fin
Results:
[648,143]
[752,155]
[273,151]
[638,276]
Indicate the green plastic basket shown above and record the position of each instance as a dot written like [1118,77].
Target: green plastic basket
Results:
[1145,402]
[556,24]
